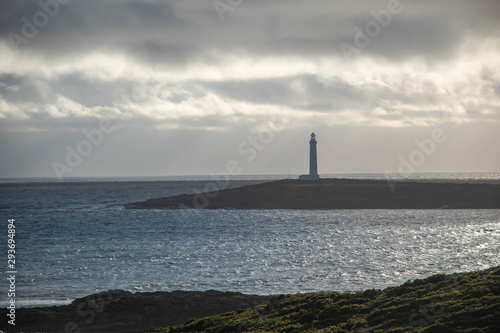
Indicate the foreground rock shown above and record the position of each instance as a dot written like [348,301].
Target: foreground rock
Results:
[465,302]
[121,312]
[337,194]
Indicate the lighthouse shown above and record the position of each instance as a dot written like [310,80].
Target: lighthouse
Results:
[313,161]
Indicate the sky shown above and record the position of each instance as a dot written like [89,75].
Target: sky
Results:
[171,87]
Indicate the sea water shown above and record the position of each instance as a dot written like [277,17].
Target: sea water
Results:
[75,238]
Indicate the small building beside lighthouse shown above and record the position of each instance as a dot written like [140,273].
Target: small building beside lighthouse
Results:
[313,161]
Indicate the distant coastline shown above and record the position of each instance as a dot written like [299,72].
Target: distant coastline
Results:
[337,194]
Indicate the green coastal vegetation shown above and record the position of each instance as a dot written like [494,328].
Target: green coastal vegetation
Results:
[461,302]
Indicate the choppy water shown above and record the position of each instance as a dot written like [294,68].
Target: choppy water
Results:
[74,239]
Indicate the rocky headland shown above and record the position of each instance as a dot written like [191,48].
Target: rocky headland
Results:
[337,194]
[118,311]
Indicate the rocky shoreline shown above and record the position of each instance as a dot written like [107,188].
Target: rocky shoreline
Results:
[118,311]
[337,194]
[460,302]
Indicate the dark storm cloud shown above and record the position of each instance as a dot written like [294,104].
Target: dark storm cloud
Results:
[404,38]
[178,32]
[302,92]
[76,86]
[91,92]
[15,88]
[87,26]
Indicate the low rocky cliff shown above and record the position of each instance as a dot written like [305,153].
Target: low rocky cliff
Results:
[119,311]
[337,194]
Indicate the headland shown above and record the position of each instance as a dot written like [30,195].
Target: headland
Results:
[119,311]
[337,194]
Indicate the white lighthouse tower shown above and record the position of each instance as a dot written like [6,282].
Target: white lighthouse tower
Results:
[313,161]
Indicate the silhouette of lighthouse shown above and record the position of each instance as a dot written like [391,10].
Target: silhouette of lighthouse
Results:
[313,161]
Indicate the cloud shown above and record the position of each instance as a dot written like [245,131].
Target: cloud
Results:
[175,66]
[406,96]
[178,32]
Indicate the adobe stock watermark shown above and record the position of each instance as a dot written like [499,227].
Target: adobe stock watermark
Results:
[425,148]
[427,314]
[141,92]
[31,26]
[373,28]
[11,273]
[249,149]
[155,86]
[274,301]
[224,6]
[85,147]
[95,304]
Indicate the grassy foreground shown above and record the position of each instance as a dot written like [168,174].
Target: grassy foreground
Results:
[463,302]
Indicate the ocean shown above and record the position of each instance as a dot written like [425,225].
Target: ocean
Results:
[75,238]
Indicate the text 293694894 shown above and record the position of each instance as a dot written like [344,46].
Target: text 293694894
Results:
[11,273]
